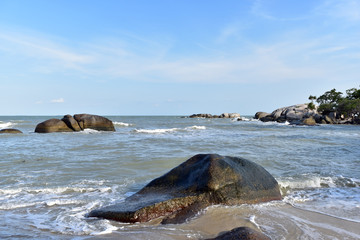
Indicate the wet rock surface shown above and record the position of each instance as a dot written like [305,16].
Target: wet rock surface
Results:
[77,123]
[201,181]
[241,233]
[10,130]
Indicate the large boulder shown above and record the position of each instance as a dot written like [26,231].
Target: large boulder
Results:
[10,130]
[202,180]
[52,125]
[241,233]
[234,115]
[310,121]
[71,123]
[77,123]
[259,115]
[94,122]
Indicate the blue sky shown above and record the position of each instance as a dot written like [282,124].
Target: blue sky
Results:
[172,57]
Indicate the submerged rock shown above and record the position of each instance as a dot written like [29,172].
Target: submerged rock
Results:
[202,180]
[10,130]
[241,233]
[77,123]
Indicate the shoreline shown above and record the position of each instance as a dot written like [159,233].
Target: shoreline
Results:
[264,218]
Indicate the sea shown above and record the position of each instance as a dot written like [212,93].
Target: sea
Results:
[49,182]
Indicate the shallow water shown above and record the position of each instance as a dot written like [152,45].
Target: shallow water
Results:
[50,181]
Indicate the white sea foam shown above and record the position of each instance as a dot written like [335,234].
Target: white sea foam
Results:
[10,206]
[195,128]
[156,131]
[6,124]
[313,181]
[301,183]
[169,130]
[252,219]
[122,124]
[57,190]
[89,131]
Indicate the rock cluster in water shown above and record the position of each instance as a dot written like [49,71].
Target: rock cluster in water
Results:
[300,114]
[207,115]
[75,123]
[201,181]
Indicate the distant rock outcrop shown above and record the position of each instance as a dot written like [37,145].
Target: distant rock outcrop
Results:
[77,123]
[10,130]
[301,114]
[295,114]
[223,115]
[203,180]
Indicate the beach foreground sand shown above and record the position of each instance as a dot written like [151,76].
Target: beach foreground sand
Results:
[277,220]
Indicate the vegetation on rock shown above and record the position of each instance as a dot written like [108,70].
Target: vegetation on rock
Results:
[332,101]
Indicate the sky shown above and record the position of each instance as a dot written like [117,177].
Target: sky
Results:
[167,57]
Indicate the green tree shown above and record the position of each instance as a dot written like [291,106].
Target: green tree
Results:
[311,105]
[333,101]
[312,98]
[330,97]
[349,107]
[353,93]
[327,108]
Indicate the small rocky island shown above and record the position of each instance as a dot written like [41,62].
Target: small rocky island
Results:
[199,182]
[334,108]
[75,123]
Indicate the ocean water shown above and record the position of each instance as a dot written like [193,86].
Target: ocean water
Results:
[49,182]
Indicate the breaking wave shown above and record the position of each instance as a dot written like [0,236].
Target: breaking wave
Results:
[6,124]
[122,124]
[169,130]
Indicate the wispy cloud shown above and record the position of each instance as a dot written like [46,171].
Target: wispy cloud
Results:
[39,48]
[291,57]
[348,10]
[58,100]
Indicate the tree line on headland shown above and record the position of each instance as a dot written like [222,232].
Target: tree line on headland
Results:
[332,101]
[333,108]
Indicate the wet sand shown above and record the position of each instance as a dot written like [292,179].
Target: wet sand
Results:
[278,221]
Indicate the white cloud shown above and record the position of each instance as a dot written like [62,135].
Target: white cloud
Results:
[59,100]
[294,56]
[42,50]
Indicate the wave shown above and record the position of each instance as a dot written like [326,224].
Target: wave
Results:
[169,130]
[122,124]
[6,124]
[57,190]
[156,131]
[308,181]
[195,128]
[90,131]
